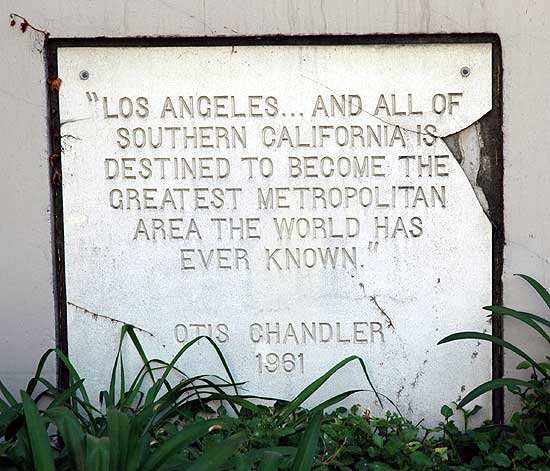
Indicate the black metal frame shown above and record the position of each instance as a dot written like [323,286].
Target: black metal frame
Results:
[495,148]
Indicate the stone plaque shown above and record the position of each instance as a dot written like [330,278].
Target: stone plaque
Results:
[297,203]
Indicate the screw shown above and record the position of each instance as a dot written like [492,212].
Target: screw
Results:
[84,74]
[465,71]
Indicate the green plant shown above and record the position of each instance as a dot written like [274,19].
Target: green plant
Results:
[164,420]
[150,422]
[535,392]
[116,435]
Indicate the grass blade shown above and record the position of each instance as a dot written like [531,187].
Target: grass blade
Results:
[141,351]
[129,330]
[497,341]
[541,290]
[219,454]
[73,378]
[7,417]
[168,404]
[489,386]
[309,390]
[330,402]
[65,395]
[38,435]
[185,437]
[270,461]
[118,358]
[73,375]
[272,456]
[308,446]
[525,317]
[71,432]
[119,438]
[9,397]
[97,453]
[153,392]
[105,399]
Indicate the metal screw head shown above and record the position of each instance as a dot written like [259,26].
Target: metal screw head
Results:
[465,71]
[84,74]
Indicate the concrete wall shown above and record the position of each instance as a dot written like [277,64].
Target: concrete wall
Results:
[26,260]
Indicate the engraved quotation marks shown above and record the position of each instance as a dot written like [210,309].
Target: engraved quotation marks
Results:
[92,97]
[373,246]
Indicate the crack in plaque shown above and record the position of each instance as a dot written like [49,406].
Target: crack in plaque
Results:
[74,120]
[66,137]
[416,378]
[388,319]
[456,144]
[96,316]
[467,148]
[348,101]
[70,136]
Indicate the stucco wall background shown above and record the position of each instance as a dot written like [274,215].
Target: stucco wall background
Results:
[27,322]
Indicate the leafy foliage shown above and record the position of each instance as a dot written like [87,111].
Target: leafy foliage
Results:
[535,393]
[164,420]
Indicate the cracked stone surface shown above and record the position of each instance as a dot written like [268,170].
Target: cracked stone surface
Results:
[398,285]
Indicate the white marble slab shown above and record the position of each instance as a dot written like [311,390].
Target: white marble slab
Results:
[387,294]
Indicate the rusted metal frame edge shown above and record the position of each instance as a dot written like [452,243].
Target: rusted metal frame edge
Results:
[57,229]
[498,226]
[52,44]
[274,39]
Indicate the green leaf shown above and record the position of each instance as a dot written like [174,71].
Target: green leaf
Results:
[73,375]
[218,454]
[442,452]
[420,459]
[112,384]
[499,458]
[3,405]
[525,317]
[136,387]
[9,397]
[446,411]
[105,399]
[169,405]
[85,403]
[65,395]
[523,365]
[378,440]
[71,432]
[271,457]
[21,452]
[120,438]
[532,450]
[153,392]
[42,456]
[495,340]
[483,446]
[124,401]
[144,449]
[541,290]
[309,390]
[489,386]
[97,453]
[7,417]
[330,402]
[175,444]
[308,445]
[472,412]
[270,461]
[377,466]
[141,351]
[414,445]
